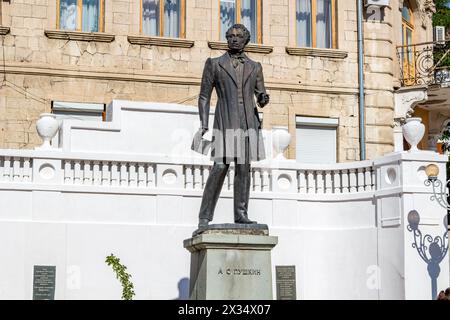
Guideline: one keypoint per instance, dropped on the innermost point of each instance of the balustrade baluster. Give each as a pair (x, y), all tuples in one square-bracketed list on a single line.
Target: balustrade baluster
[(310, 182), (132, 175), (17, 169), (142, 178), (114, 174), (77, 172), (374, 181), (26, 170), (353, 180), (265, 181), (106, 174), (301, 181), (368, 179), (68, 172), (97, 175), (151, 180), (188, 177), (361, 182), (337, 185), (123, 174), (320, 182), (197, 178), (256, 180), (87, 173), (7, 169), (345, 181), (328, 182)]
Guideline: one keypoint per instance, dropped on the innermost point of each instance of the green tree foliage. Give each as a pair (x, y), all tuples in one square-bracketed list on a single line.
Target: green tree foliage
[(442, 18), (442, 15), (123, 276)]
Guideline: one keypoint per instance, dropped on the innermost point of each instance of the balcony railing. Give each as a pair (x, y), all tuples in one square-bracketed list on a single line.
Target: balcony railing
[(425, 64)]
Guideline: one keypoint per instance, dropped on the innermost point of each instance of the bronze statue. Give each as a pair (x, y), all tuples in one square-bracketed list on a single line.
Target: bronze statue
[(237, 127)]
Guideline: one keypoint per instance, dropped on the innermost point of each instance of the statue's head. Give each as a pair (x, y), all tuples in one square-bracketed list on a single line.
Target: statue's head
[(238, 37)]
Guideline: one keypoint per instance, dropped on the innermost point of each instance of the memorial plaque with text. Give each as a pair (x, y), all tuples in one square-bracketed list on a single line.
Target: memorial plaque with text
[(44, 282), (286, 286)]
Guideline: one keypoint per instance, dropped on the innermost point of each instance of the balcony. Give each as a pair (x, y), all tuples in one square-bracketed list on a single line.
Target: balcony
[(425, 64)]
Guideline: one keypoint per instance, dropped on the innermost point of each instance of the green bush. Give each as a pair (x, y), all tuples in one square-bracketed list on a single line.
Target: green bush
[(123, 276)]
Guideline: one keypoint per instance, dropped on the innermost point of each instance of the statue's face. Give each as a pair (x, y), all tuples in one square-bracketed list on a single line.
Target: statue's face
[(236, 40)]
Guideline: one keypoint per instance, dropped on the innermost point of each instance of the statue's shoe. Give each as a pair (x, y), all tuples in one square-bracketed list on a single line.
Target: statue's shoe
[(245, 220), (203, 223)]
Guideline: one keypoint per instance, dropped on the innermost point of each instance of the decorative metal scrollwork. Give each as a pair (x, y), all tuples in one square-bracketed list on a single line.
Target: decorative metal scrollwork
[(425, 64)]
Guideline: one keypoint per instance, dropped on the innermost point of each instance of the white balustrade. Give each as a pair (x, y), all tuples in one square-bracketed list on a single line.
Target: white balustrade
[(15, 169), (135, 173)]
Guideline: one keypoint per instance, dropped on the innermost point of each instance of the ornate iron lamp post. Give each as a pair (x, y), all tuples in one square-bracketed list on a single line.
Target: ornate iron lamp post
[(431, 250), (439, 194)]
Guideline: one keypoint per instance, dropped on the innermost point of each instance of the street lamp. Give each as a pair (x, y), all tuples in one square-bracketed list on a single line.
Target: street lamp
[(439, 194)]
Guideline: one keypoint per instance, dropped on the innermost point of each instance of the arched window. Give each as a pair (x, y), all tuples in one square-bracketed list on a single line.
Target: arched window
[(316, 23)]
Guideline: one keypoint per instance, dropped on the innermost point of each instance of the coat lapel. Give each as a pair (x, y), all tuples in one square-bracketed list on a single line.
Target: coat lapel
[(249, 66), (225, 63)]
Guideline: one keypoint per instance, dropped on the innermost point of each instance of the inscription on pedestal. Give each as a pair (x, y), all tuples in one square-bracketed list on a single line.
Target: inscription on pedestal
[(286, 286), (44, 282), (239, 272)]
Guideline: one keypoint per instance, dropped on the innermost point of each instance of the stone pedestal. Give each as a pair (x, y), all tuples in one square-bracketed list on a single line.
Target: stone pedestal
[(231, 262)]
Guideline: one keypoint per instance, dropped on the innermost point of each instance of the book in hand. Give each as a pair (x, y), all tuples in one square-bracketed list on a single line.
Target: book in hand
[(199, 144)]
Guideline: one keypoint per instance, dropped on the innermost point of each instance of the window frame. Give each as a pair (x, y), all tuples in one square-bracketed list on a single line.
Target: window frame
[(101, 18), (259, 19), (408, 50), (408, 24), (161, 19), (314, 25), (318, 122)]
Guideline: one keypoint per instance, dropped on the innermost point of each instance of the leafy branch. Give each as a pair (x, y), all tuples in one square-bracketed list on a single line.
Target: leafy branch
[(122, 275)]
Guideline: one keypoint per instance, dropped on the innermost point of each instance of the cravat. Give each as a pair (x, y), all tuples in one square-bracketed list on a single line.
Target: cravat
[(236, 59)]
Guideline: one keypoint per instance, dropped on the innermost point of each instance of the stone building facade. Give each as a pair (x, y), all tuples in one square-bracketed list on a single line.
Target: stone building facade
[(42, 63)]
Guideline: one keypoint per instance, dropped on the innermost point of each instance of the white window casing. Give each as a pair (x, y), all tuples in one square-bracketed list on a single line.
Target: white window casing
[(316, 140)]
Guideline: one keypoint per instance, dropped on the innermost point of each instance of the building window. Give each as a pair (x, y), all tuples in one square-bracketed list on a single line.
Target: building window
[(316, 140), (164, 18), (246, 12), (81, 15), (315, 23), (407, 41)]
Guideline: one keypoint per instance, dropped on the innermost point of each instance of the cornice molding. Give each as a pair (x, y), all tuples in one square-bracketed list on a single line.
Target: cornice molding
[(160, 41), (316, 52), (79, 35), (4, 30), (251, 47), (176, 79)]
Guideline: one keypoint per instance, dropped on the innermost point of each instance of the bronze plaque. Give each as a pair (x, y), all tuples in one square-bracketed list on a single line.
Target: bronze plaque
[(286, 285), (44, 279)]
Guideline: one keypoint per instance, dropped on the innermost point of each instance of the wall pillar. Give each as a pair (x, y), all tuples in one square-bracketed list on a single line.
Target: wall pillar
[(401, 191)]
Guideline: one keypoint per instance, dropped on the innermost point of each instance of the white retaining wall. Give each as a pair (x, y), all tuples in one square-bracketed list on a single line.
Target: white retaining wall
[(119, 188)]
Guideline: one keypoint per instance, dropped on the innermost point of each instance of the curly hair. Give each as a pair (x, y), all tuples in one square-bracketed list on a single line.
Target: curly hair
[(239, 26)]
